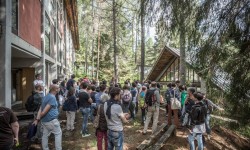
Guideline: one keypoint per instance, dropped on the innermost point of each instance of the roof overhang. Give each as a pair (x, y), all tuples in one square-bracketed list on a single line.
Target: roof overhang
[(72, 13)]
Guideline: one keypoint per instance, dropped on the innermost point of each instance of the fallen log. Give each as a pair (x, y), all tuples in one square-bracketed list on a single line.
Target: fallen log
[(160, 143), (149, 140)]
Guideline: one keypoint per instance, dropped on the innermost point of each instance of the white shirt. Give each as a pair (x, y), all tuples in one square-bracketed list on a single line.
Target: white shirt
[(38, 82)]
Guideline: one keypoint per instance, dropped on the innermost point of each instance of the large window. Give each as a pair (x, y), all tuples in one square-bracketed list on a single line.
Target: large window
[(47, 35), (14, 16)]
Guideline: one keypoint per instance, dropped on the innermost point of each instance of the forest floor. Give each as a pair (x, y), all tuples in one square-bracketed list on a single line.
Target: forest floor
[(221, 138)]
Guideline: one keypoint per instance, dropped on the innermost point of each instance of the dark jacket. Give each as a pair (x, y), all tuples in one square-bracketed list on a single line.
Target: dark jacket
[(72, 103)]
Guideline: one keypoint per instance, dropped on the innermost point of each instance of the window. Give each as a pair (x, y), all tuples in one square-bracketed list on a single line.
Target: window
[(14, 16), (47, 35)]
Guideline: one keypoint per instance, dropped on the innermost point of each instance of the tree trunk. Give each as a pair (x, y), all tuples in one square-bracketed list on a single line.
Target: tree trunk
[(93, 41), (182, 53), (86, 54), (98, 53), (142, 40), (115, 48)]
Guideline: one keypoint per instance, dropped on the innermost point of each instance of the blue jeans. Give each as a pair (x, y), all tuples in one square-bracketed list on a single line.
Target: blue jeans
[(85, 114), (207, 124), (115, 140), (191, 138)]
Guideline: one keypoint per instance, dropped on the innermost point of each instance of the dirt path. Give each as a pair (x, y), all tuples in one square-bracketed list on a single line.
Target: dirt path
[(132, 137)]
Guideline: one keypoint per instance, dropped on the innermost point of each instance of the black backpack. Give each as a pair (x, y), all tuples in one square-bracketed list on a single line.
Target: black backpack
[(198, 113), (150, 97), (30, 104), (168, 96)]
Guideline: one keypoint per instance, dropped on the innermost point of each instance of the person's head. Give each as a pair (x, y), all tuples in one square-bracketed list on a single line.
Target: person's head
[(54, 89), (125, 87), (144, 88), (158, 85), (149, 81), (39, 87), (117, 85), (184, 87), (133, 84), (177, 82), (104, 82), (173, 85), (38, 76), (62, 84), (93, 88), (55, 81), (115, 93), (89, 88), (73, 76), (71, 91), (153, 84), (102, 87), (169, 85), (198, 96), (126, 82), (84, 85), (191, 92)]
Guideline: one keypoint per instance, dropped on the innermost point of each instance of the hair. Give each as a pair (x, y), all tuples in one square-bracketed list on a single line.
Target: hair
[(173, 84), (89, 87), (144, 88), (153, 84), (93, 88), (73, 76), (104, 82), (102, 87), (104, 97), (117, 85), (71, 91), (55, 81), (158, 85), (169, 85), (126, 82), (184, 87), (37, 75), (125, 87), (149, 81), (199, 96), (177, 81), (53, 87), (84, 85), (114, 91), (133, 84), (192, 90), (37, 86)]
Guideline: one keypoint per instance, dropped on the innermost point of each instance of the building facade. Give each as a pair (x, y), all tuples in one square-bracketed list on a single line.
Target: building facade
[(36, 36)]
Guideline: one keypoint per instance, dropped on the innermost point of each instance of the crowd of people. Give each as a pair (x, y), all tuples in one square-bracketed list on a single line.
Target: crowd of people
[(108, 107)]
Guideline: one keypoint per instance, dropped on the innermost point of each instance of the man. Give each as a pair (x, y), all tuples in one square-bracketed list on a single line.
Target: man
[(9, 129), (152, 100), (198, 115), (85, 107), (38, 96), (38, 80), (134, 94), (115, 117), (48, 113), (99, 94)]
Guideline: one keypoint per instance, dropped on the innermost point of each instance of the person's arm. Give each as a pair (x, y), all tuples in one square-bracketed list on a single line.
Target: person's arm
[(38, 117), (124, 117), (15, 129)]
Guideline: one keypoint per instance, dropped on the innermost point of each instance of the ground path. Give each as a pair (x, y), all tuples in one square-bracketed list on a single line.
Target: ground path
[(132, 137)]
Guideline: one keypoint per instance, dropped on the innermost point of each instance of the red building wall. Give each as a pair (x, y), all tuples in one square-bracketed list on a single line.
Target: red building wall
[(30, 22)]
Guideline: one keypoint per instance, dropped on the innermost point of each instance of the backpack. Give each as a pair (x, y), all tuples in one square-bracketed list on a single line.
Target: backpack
[(141, 99), (30, 105), (126, 97), (198, 114), (133, 92), (150, 97), (168, 96)]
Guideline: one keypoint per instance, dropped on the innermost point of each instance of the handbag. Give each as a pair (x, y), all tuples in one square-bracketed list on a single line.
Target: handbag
[(175, 103), (97, 118)]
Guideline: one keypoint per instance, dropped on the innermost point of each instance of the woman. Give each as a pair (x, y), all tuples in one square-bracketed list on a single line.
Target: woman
[(142, 104), (71, 98)]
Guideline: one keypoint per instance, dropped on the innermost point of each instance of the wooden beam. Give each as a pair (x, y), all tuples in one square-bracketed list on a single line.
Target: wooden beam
[(164, 138), (164, 70), (149, 140)]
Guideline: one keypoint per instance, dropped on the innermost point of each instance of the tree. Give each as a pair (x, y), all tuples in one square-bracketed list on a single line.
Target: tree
[(142, 39)]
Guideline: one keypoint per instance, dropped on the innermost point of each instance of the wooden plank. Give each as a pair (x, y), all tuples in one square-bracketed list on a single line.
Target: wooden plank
[(163, 139), (149, 140)]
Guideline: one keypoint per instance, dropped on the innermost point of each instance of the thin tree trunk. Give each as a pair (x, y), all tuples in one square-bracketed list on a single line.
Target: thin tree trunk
[(86, 54), (93, 41), (182, 54), (115, 48), (98, 51), (142, 40)]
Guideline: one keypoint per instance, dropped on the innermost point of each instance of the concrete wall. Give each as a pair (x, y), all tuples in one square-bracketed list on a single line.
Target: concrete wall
[(30, 22)]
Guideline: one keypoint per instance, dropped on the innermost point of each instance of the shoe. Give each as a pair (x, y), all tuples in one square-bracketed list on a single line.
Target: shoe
[(86, 135), (208, 137)]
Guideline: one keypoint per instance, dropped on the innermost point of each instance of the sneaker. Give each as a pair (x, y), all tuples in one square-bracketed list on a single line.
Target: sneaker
[(208, 137), (86, 135)]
